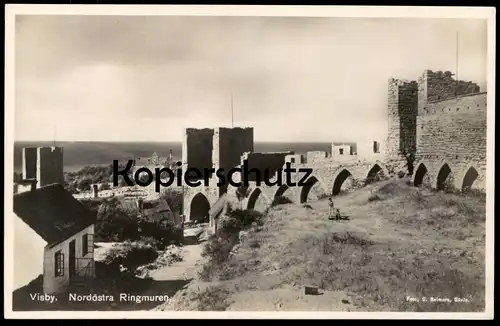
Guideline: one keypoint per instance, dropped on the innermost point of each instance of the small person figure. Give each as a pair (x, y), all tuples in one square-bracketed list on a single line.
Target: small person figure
[(331, 207)]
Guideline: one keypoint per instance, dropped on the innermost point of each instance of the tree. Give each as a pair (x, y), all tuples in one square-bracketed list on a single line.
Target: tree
[(174, 199), (84, 184), (114, 223)]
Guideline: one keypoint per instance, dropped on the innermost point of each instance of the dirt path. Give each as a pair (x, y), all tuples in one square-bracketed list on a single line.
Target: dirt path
[(170, 279), (183, 270)]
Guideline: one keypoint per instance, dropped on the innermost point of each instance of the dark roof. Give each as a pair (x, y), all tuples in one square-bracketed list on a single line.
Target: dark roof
[(151, 208), (53, 213)]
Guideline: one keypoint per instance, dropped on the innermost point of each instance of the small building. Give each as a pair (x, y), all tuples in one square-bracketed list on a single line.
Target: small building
[(53, 237), (152, 209)]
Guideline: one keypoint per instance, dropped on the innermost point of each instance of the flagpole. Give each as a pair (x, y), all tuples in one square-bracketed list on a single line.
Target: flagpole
[(232, 111), (456, 69), (54, 140)]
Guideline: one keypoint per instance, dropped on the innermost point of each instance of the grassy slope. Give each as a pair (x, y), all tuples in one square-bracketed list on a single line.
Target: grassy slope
[(400, 241)]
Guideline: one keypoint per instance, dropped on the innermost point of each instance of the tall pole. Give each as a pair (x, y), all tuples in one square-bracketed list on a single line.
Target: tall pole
[(456, 71), (232, 111), (456, 68), (54, 139)]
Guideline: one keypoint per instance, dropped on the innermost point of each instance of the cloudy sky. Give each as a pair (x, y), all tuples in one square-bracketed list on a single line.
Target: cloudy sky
[(126, 78)]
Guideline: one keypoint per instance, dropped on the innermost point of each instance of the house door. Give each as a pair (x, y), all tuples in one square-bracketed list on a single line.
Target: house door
[(72, 258)]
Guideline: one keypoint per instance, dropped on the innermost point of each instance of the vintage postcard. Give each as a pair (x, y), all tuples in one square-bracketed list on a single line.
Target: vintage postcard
[(249, 162)]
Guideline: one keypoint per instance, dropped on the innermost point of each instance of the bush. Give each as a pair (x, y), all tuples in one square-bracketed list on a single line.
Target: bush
[(217, 249), (213, 299), (131, 255), (151, 241), (281, 200), (92, 174), (322, 196), (107, 269), (162, 232), (246, 217), (374, 197), (84, 184), (71, 188)]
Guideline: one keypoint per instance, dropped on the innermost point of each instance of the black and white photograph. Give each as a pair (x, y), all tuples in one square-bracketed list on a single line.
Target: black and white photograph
[(247, 161)]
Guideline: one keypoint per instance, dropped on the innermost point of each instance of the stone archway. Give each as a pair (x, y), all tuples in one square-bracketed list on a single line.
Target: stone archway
[(305, 191), (255, 199), (199, 208), (283, 191), (470, 178), (443, 177), (340, 180), (420, 175), (375, 174)]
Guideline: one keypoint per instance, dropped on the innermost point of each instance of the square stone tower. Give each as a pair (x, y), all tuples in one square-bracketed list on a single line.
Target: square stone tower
[(402, 108), (229, 145), (218, 148), (45, 164)]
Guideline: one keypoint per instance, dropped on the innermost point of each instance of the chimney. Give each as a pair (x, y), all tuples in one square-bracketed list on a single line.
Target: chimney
[(95, 190)]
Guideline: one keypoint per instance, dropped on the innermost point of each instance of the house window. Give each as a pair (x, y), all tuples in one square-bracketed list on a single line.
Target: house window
[(87, 244), (59, 263), (292, 160), (376, 147), (341, 151)]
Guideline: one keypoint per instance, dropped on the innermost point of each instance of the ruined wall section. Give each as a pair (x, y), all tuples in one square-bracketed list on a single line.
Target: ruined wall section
[(402, 109), (50, 166), (265, 161), (454, 130), (440, 86), (197, 148)]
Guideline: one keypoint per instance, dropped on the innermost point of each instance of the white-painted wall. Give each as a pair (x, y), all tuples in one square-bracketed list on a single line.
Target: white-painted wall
[(28, 253), (365, 151), (52, 283)]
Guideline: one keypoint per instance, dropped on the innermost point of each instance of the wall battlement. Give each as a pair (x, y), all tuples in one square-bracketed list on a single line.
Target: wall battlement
[(469, 103), (435, 93), (439, 86)]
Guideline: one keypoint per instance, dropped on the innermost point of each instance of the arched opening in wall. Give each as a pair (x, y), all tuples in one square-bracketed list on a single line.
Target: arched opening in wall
[(375, 174), (419, 175), (200, 207), (469, 179), (340, 183), (443, 178), (282, 196), (256, 200), (305, 193)]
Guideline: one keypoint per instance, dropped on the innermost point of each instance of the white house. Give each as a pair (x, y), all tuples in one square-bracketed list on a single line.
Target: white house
[(53, 237)]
